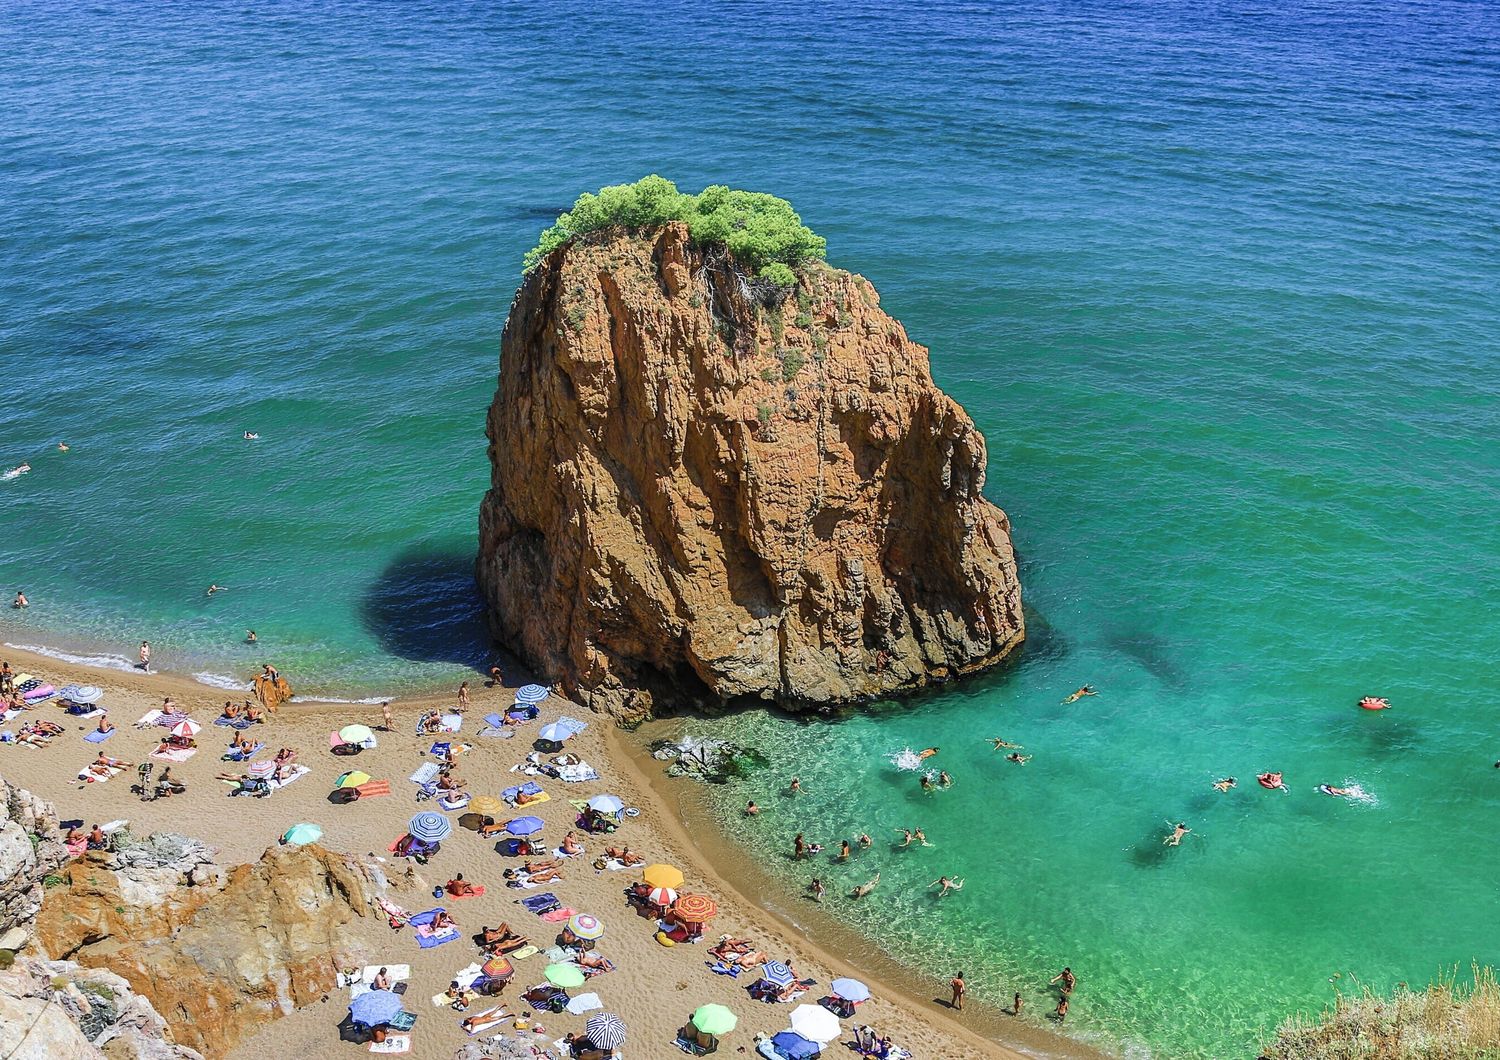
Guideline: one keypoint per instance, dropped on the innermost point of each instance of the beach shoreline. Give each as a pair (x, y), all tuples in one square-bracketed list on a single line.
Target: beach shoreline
[(665, 825)]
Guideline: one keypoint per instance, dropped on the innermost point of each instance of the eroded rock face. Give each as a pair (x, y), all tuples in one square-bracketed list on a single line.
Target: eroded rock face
[(30, 848), (218, 954), (700, 495)]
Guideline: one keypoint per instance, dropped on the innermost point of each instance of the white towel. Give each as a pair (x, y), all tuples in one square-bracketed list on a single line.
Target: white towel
[(425, 774)]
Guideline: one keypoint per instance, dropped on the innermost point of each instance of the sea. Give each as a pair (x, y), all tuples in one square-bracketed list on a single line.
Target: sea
[(1220, 282)]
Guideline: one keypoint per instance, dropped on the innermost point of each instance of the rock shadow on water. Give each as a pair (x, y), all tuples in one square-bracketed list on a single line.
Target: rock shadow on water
[(1152, 651), (425, 607)]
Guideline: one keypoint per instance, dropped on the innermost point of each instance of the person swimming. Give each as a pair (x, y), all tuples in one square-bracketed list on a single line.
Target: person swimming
[(1002, 745), (1340, 793), (251, 436), (21, 600), (926, 781), (215, 588), (955, 884), (1175, 839), (1225, 784), (250, 637), (1018, 758), (944, 780), (1086, 690), (864, 889), (925, 755)]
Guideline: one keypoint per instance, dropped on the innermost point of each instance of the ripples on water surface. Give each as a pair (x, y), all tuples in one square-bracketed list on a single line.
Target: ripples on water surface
[(1218, 284)]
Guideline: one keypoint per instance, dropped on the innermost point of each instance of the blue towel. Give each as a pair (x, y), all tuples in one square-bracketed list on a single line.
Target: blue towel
[(426, 916), (99, 737), (441, 748), (428, 942), (531, 787), (573, 725), (244, 754), (494, 719), (240, 724), (540, 903)]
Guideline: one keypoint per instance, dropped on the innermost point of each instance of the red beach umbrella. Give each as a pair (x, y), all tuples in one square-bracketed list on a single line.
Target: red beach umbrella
[(695, 908)]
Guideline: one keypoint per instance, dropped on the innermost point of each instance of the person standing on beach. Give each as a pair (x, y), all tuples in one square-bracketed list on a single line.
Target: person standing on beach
[(21, 600), (7, 679), (385, 716), (463, 698), (146, 656), (959, 989), (1015, 1006), (817, 889)]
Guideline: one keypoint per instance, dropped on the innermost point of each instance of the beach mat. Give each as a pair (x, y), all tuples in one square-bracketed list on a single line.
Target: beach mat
[(298, 772), (243, 754), (426, 774), (176, 755), (233, 723), (374, 789), (88, 775), (394, 1043), (99, 737), (427, 942)]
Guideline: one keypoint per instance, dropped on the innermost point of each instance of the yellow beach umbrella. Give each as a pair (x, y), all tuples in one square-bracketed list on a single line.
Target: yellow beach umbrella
[(353, 779), (487, 805), (662, 876)]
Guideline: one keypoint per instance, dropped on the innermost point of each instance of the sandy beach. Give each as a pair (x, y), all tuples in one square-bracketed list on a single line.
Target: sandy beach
[(653, 987)]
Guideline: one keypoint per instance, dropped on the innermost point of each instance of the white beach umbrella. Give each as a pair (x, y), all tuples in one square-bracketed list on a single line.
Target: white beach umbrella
[(816, 1024)]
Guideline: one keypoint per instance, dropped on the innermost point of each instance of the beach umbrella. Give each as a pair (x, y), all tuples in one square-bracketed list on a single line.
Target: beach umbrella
[(524, 826), (662, 876), (564, 975), (260, 770), (556, 733), (353, 779), (792, 1044), (695, 909), (531, 693), (486, 804), (606, 1030), (498, 968), (302, 833), (584, 926), (714, 1019), (850, 990), (374, 1008), (186, 727), (429, 826), (356, 733), (89, 694), (815, 1023), (664, 897), (606, 803), (176, 717), (776, 973)]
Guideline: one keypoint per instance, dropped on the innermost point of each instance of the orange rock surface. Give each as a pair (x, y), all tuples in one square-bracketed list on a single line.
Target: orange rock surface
[(708, 491)]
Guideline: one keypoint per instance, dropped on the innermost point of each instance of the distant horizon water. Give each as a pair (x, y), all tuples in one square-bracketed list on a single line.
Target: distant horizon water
[(1218, 284)]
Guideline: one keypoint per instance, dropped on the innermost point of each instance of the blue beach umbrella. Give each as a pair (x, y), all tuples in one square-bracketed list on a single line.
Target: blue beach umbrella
[(375, 1007), (429, 826), (556, 732), (302, 833), (606, 803), (522, 826), (531, 693), (850, 990), (776, 973)]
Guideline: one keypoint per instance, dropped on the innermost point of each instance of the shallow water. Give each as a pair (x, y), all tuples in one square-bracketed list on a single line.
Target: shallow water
[(1218, 285)]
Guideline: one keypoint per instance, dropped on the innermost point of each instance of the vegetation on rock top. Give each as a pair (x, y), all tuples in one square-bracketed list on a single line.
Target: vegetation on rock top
[(763, 232)]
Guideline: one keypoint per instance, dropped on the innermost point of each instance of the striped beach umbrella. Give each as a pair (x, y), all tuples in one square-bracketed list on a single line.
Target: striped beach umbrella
[(260, 770), (87, 694), (605, 1031), (531, 693), (850, 990), (776, 973), (664, 897), (429, 826), (186, 727), (564, 975), (166, 721), (584, 926), (524, 826), (606, 803), (695, 909), (497, 968)]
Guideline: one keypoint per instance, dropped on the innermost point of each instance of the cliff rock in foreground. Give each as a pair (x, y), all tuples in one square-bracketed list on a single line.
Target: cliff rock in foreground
[(706, 489)]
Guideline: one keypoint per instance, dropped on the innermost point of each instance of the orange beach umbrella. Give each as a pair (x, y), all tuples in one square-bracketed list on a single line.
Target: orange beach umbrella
[(695, 908)]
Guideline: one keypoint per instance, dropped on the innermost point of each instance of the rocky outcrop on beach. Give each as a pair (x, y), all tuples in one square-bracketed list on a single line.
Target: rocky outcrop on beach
[(709, 490), (49, 1009), (217, 952)]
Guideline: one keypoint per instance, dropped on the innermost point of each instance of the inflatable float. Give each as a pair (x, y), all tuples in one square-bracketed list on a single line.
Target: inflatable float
[(1374, 703)]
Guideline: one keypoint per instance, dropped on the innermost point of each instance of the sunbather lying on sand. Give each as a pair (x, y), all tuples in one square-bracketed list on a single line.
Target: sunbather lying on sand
[(502, 939), (624, 856), (521, 877), (111, 763), (483, 1020)]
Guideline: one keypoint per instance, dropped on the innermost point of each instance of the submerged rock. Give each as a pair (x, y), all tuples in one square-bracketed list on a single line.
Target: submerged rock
[(708, 490)]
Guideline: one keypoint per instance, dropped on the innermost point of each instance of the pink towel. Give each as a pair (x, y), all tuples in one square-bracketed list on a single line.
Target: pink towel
[(557, 916)]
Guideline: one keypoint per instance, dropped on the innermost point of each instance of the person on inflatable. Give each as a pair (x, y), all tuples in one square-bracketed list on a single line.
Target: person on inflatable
[(1272, 781)]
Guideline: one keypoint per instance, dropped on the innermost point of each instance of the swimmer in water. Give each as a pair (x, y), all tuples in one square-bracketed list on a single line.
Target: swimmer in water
[(865, 841), (19, 469), (920, 838), (925, 755), (751, 809), (62, 447), (1340, 793), (1175, 839), (865, 888), (1018, 758), (217, 589), (1225, 784), (21, 600), (955, 884), (795, 786), (1086, 690), (905, 836), (944, 780), (250, 637), (926, 781), (1002, 745), (251, 436)]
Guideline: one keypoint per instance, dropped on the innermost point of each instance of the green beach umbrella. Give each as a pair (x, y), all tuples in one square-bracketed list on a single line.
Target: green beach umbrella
[(302, 833), (714, 1019), (355, 733), (564, 975)]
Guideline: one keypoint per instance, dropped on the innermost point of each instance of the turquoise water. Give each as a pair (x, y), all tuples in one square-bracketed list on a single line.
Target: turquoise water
[(1218, 284)]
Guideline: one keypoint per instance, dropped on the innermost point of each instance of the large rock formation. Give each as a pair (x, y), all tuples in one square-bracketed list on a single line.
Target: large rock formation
[(218, 953), (707, 490)]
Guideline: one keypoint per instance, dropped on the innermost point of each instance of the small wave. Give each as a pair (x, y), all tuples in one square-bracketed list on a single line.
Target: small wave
[(371, 701), (233, 684), (101, 662), (906, 759)]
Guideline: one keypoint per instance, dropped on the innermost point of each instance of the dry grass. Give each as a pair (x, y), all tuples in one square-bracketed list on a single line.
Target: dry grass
[(1450, 1020)]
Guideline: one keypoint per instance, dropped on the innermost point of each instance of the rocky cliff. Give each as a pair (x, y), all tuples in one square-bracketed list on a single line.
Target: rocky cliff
[(706, 489)]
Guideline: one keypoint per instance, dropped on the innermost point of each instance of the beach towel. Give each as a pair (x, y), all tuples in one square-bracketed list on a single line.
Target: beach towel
[(426, 916), (394, 1043), (99, 737), (234, 723), (148, 719), (478, 892), (393, 912), (77, 847), (99, 774), (297, 773), (557, 916), (427, 939), (426, 774), (584, 1003), (590, 972), (486, 1022), (97, 712), (575, 774), (243, 754), (572, 725), (374, 789), (558, 852), (540, 903), (441, 748), (173, 754), (452, 722), (522, 953), (494, 720), (531, 787), (501, 732), (455, 800)]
